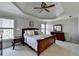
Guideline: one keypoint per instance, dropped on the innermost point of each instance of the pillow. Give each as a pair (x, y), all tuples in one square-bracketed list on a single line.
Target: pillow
[(30, 32), (25, 32), (39, 32), (36, 32)]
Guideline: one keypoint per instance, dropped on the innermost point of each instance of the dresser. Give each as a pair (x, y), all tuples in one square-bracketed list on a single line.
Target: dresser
[(59, 35)]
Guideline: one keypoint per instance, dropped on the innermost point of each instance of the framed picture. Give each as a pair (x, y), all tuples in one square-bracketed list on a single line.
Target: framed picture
[(31, 24)]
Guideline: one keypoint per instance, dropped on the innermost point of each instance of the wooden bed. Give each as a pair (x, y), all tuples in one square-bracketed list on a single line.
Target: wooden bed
[(42, 44)]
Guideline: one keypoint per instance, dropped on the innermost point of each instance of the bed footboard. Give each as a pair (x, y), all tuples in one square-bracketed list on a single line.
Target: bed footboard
[(44, 44)]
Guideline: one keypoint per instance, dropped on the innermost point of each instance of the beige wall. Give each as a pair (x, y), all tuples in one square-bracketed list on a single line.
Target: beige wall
[(24, 23), (70, 27)]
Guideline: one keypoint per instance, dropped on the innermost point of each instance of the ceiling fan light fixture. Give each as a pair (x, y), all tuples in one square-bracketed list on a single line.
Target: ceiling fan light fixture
[(44, 6)]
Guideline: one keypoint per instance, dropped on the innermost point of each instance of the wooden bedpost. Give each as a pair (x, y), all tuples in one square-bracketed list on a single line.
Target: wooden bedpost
[(22, 37), (38, 54)]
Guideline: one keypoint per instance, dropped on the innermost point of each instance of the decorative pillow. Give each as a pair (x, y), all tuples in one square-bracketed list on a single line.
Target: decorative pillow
[(39, 32), (25, 34), (30, 32), (36, 32)]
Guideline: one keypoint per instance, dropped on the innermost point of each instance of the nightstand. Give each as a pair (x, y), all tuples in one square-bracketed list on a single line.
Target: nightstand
[(16, 40)]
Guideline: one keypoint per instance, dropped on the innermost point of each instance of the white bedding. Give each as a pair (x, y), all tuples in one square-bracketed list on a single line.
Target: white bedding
[(32, 40)]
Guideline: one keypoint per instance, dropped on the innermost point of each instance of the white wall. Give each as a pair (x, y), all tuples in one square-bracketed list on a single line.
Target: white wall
[(70, 27), (24, 23), (78, 26)]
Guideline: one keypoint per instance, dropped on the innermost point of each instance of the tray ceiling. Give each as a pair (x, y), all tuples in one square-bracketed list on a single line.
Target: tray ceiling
[(28, 8), (60, 11)]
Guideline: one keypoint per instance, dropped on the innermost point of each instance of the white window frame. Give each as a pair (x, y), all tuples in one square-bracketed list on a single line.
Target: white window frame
[(2, 28), (49, 28)]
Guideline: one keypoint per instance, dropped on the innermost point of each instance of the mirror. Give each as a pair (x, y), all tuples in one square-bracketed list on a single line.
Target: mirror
[(57, 28)]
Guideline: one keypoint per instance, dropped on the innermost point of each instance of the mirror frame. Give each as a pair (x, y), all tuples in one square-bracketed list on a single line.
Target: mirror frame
[(55, 27)]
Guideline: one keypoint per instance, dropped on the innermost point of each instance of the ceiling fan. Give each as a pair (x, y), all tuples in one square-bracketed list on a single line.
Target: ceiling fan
[(44, 6)]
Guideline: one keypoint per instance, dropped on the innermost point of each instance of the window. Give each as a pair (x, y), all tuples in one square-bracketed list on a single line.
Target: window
[(46, 28), (7, 26), (8, 33), (43, 28)]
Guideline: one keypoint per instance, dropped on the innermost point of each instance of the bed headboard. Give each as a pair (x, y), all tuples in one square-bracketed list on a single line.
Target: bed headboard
[(23, 30)]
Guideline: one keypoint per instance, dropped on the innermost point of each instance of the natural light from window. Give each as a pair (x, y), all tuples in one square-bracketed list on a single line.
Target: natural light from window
[(46, 28), (7, 26)]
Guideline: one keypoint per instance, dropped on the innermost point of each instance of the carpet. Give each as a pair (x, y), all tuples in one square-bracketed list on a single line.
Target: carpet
[(53, 50)]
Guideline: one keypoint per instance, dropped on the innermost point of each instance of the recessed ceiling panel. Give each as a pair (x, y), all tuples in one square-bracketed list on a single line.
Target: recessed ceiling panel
[(28, 8)]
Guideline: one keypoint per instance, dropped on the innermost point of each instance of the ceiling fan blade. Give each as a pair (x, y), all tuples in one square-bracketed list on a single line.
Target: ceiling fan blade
[(50, 6), (46, 10), (37, 8)]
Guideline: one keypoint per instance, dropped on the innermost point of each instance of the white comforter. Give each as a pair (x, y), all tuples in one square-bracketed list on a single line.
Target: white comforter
[(32, 40)]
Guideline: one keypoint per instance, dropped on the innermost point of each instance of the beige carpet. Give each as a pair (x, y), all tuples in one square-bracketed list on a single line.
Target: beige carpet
[(53, 50), (56, 50)]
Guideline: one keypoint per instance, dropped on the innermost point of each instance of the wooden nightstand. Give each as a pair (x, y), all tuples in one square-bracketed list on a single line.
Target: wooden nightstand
[(16, 40)]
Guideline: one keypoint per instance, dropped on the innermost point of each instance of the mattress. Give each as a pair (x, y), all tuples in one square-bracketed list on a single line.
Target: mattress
[(32, 40)]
